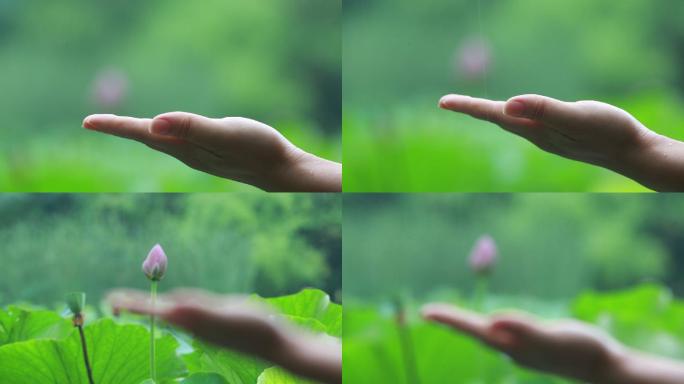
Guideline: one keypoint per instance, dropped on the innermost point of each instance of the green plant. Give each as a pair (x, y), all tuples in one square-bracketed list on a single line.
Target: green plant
[(154, 267), (76, 303), (645, 317), (38, 346)]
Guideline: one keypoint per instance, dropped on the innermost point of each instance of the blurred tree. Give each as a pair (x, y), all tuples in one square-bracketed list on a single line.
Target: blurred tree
[(276, 61), (271, 244), (551, 245)]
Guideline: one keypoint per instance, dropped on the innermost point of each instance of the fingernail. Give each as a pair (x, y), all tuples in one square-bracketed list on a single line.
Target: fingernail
[(515, 108), (161, 127), (87, 124), (90, 122), (442, 102)]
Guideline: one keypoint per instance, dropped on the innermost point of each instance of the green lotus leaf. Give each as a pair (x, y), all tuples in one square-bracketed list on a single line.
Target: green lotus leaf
[(275, 375), (204, 378), (234, 367), (119, 354), (311, 304), (20, 324)]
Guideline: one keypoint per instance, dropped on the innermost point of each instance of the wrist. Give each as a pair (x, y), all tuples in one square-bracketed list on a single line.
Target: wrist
[(616, 368), (304, 172), (656, 162), (310, 356), (634, 367)]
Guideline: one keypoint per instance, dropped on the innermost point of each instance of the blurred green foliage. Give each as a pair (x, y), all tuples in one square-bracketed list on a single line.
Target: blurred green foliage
[(35, 344), (242, 242), (401, 56), (645, 317), (277, 61), (550, 245)]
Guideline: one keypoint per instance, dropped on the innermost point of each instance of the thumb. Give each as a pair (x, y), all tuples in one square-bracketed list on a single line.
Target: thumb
[(194, 128), (511, 331), (543, 109)]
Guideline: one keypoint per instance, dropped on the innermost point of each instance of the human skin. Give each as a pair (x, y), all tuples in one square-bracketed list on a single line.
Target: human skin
[(586, 131), (240, 324), (234, 148), (567, 348)]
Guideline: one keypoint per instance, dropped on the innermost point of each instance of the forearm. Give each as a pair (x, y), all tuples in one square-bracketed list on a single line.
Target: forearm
[(658, 165), (634, 367)]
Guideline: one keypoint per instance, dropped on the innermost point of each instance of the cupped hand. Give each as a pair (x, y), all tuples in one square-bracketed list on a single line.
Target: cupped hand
[(234, 148), (567, 348), (587, 131), (241, 324)]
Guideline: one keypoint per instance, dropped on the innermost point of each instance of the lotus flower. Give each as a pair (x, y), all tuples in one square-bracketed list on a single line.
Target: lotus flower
[(483, 256), (473, 58), (154, 265), (154, 268), (109, 88)]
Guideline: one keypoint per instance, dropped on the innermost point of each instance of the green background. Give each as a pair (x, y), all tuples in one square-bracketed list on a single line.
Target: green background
[(277, 61), (610, 260), (236, 243)]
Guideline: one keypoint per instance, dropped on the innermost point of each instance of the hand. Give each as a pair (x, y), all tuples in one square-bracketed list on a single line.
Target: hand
[(587, 131), (567, 348), (234, 148), (240, 324)]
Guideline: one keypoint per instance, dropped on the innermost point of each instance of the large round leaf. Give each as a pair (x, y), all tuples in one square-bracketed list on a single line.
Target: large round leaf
[(119, 354)]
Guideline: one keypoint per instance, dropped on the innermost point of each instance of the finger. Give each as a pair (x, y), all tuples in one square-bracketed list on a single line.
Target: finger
[(461, 320), (201, 297), (121, 126), (543, 109), (483, 109), (137, 302), (201, 318), (196, 129)]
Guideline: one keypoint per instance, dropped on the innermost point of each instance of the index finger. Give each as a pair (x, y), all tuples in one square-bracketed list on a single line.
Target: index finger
[(459, 319), (121, 126), (137, 302), (487, 110)]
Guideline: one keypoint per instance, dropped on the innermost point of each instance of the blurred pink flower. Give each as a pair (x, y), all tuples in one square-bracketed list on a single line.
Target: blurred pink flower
[(473, 58), (483, 256), (155, 264), (109, 88)]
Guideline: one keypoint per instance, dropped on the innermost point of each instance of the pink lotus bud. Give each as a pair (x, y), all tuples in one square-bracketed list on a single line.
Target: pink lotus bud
[(154, 266), (109, 88), (473, 58), (483, 255)]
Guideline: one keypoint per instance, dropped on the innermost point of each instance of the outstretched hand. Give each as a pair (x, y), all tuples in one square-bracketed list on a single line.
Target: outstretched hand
[(567, 348), (587, 131), (240, 324), (234, 148)]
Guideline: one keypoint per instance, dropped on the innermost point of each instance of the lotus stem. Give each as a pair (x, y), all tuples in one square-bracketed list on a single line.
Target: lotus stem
[(406, 343), (78, 321), (153, 367)]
